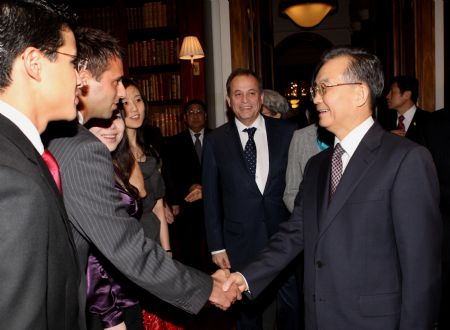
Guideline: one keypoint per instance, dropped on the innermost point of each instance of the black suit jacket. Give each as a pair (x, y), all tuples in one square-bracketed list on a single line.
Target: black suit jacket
[(186, 168), (373, 255), (238, 217), (414, 131), (39, 273)]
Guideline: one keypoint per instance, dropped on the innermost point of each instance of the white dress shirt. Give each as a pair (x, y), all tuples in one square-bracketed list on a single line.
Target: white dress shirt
[(352, 140), (262, 149), (202, 134), (409, 115), (24, 124)]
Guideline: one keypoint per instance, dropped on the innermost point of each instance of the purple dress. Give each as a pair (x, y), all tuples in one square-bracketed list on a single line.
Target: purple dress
[(105, 296)]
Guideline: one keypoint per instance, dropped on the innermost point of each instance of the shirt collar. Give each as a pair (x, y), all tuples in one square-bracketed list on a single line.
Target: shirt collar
[(409, 114), (352, 140), (259, 124), (193, 133), (24, 124)]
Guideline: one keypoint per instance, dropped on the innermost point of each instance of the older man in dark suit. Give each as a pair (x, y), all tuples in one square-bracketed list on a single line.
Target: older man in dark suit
[(244, 166), (39, 272), (367, 214)]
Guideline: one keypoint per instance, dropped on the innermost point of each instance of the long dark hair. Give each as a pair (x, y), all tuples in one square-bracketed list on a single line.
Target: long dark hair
[(142, 138), (122, 157)]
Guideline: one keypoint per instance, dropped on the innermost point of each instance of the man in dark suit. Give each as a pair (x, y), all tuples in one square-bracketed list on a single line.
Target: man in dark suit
[(436, 137), (404, 118), (367, 214), (244, 164), (189, 237), (39, 272), (96, 212)]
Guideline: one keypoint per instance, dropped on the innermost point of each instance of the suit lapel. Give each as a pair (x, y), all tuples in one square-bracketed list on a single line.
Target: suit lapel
[(361, 161), (238, 152), (273, 151)]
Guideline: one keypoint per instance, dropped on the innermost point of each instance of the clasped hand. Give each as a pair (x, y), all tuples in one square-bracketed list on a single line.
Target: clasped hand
[(227, 288)]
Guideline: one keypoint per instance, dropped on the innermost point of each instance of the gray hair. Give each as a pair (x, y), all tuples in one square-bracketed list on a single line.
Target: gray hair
[(275, 102)]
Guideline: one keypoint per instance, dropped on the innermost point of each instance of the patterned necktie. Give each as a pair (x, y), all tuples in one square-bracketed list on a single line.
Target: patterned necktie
[(336, 169), (250, 150), (198, 146), (401, 125), (53, 167)]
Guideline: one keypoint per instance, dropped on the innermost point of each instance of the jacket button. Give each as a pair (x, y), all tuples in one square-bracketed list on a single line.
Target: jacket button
[(319, 264)]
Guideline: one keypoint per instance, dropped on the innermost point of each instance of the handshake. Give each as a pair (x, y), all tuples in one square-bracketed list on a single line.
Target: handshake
[(227, 288)]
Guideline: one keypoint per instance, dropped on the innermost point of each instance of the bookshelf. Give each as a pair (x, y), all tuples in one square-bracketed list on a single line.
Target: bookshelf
[(151, 32)]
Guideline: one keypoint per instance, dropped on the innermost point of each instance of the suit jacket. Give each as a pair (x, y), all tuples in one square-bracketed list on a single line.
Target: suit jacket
[(186, 169), (303, 146), (414, 131), (99, 219), (39, 271), (238, 217), (372, 256)]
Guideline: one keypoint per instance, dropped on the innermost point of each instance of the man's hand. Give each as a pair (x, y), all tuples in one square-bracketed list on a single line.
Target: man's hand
[(175, 210), (220, 298), (221, 260), (399, 132), (235, 279), (195, 193)]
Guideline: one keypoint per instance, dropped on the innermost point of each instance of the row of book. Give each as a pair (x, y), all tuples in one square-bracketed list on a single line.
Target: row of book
[(169, 119), (100, 18), (153, 52), (152, 15), (161, 86)]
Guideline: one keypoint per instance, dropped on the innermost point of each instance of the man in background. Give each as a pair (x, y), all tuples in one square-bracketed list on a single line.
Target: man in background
[(404, 118), (244, 165), (39, 272), (189, 237)]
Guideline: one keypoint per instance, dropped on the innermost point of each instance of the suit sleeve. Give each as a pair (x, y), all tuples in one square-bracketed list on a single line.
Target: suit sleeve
[(281, 249), (418, 232), (96, 211), (24, 220), (212, 198), (294, 172)]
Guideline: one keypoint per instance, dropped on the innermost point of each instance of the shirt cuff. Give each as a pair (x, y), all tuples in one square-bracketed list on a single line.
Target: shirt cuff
[(218, 251)]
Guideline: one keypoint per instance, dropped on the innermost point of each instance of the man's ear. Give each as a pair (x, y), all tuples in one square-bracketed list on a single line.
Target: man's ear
[(228, 101), (407, 95), (33, 62), (362, 95), (85, 75)]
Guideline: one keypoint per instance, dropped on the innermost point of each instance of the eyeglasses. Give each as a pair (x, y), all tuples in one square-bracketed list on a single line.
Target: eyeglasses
[(81, 63), (194, 112), (321, 88)]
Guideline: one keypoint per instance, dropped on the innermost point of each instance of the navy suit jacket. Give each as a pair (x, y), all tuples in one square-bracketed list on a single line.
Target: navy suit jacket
[(238, 217), (373, 255)]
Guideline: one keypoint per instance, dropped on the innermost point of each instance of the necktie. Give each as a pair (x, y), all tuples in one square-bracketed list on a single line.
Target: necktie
[(53, 167), (400, 123), (198, 146), (336, 168), (250, 150)]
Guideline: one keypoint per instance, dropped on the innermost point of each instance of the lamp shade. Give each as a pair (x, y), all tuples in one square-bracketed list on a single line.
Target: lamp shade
[(191, 49), (307, 13)]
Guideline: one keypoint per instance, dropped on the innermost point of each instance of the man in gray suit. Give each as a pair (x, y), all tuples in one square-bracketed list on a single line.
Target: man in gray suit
[(366, 216), (39, 272), (94, 206)]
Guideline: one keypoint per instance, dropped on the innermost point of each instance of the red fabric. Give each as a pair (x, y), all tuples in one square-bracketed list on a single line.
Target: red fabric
[(53, 167), (153, 322)]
